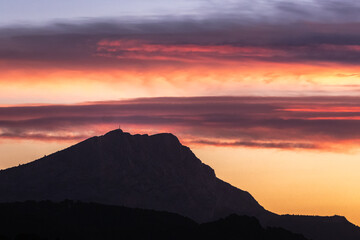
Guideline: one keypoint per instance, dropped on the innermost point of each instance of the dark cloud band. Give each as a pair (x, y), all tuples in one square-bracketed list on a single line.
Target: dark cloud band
[(268, 122), (177, 42)]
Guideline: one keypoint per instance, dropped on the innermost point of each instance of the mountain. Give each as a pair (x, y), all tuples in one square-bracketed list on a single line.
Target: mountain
[(141, 171), (150, 172), (76, 220)]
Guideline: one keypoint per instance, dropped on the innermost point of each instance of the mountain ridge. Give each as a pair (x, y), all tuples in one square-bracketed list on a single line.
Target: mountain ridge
[(95, 161), (77, 220), (151, 172)]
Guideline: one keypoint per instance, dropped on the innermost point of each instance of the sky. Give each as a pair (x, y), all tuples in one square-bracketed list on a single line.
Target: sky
[(265, 92)]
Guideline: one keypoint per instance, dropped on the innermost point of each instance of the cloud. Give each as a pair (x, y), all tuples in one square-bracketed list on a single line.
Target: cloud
[(177, 42), (264, 122), (276, 11), (176, 57), (280, 145)]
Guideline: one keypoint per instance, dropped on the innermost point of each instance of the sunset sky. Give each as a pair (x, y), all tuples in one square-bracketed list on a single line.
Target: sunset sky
[(265, 92)]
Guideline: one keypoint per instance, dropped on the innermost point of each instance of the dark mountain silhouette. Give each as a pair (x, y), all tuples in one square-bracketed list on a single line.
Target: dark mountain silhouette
[(153, 172), (75, 220), (150, 172)]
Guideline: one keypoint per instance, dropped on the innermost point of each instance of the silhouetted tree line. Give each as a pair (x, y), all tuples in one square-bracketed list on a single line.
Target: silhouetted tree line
[(75, 220)]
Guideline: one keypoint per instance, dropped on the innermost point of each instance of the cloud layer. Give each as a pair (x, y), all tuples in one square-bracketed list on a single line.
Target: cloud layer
[(327, 123), (244, 10), (178, 56), (180, 41)]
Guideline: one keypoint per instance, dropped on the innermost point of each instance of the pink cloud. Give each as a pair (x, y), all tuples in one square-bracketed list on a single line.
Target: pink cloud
[(265, 122)]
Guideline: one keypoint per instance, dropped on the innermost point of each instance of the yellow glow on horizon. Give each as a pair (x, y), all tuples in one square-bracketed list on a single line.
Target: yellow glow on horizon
[(30, 150), (292, 182)]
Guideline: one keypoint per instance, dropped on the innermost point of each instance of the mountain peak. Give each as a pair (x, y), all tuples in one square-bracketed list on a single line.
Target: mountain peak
[(166, 139), (150, 172), (119, 132), (114, 132), (143, 171)]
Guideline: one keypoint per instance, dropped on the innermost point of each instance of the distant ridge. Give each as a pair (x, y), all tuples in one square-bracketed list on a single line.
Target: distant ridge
[(76, 220), (151, 172)]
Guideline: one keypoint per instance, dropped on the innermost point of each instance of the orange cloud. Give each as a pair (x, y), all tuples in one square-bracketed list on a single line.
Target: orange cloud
[(115, 61), (136, 49)]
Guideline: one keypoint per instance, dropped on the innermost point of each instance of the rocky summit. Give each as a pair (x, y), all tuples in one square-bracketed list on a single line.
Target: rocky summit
[(150, 172)]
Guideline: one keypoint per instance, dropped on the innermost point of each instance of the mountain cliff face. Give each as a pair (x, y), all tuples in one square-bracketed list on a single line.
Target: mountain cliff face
[(151, 172)]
